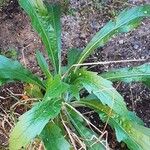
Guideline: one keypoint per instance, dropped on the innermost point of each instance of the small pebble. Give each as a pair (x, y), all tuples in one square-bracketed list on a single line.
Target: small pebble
[(121, 41), (136, 46)]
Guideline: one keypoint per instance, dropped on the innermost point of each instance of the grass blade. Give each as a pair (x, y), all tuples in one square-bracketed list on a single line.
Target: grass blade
[(89, 137)]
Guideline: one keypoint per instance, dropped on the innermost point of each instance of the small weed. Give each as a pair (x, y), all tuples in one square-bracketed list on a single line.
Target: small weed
[(54, 117)]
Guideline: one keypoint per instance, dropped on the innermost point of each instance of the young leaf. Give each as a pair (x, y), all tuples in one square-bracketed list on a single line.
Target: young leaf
[(56, 87), (74, 91), (53, 138), (132, 74), (43, 64), (125, 22), (73, 56), (12, 70), (103, 89), (136, 136), (90, 138), (46, 21), (33, 121)]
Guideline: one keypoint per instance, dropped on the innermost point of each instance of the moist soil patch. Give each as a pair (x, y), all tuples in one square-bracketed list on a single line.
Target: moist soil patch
[(81, 20)]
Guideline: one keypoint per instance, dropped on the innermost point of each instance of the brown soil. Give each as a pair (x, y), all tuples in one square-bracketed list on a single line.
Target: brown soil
[(81, 21)]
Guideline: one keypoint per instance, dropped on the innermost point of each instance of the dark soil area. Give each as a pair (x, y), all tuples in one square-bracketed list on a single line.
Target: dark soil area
[(81, 20)]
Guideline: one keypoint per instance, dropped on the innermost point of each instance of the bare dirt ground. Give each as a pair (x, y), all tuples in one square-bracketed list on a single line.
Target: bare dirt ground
[(80, 21)]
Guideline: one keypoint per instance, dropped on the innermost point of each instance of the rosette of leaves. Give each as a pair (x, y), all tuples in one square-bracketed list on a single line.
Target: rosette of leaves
[(55, 119)]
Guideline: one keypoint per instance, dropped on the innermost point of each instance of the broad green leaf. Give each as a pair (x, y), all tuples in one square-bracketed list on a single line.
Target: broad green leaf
[(53, 138), (131, 115), (125, 22), (56, 87), (43, 64), (46, 21), (103, 89), (90, 138), (129, 130), (12, 70), (136, 136), (55, 13), (33, 121), (131, 74)]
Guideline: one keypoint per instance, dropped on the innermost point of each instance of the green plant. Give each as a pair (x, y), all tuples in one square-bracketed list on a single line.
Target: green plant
[(55, 119)]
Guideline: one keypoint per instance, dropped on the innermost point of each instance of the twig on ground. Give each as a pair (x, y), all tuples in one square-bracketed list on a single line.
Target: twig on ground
[(69, 133), (88, 122), (23, 55), (108, 62), (102, 63)]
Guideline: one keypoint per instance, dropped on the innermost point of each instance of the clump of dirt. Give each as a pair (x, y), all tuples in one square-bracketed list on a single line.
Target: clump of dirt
[(9, 10), (80, 23)]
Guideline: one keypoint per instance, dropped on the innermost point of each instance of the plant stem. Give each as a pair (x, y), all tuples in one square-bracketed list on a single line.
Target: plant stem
[(100, 63)]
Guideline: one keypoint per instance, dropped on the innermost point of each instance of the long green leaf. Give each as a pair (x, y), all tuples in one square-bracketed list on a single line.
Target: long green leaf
[(132, 74), (43, 64), (46, 21), (53, 138), (32, 122), (125, 22), (128, 128), (103, 89), (12, 70)]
